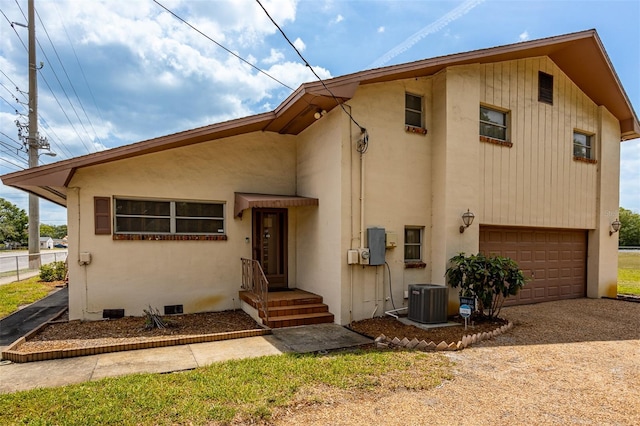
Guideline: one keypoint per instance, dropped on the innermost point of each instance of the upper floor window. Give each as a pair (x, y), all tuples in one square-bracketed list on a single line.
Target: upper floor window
[(413, 110), (168, 217), (493, 123), (545, 88), (412, 244), (582, 145)]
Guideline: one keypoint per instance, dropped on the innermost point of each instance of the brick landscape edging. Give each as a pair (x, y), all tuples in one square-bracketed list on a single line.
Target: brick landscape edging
[(383, 341), (12, 354)]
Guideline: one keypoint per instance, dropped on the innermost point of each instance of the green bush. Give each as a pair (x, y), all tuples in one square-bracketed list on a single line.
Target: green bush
[(488, 279), (55, 271)]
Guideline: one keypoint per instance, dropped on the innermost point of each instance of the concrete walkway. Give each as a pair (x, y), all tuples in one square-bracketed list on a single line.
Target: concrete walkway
[(302, 339)]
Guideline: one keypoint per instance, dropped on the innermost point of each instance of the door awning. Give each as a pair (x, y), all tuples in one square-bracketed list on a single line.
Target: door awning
[(245, 201)]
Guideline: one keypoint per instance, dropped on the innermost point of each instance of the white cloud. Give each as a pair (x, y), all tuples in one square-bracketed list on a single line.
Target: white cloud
[(274, 57), (299, 44), (380, 29), (524, 36), (338, 19)]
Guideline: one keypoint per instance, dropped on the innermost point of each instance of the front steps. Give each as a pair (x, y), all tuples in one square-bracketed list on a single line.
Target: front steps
[(290, 308)]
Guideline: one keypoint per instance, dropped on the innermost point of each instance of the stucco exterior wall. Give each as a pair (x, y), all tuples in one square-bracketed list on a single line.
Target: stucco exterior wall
[(319, 175), (455, 177), (397, 193), (536, 182), (197, 274), (602, 262)]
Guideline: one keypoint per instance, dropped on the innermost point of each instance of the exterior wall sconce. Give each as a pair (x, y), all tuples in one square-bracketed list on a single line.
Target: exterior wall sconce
[(615, 227), (467, 219)]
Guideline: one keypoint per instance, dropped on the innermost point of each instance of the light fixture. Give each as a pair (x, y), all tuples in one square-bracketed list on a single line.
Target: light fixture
[(467, 219), (615, 227), (319, 114)]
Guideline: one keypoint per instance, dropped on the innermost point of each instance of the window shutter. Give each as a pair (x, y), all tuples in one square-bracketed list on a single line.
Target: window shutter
[(102, 215), (545, 88)]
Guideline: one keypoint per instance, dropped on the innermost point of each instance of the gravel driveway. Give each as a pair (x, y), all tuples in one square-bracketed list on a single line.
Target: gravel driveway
[(567, 362)]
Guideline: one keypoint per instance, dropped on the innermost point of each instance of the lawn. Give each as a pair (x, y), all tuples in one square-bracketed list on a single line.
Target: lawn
[(629, 273), (245, 391), (21, 293)]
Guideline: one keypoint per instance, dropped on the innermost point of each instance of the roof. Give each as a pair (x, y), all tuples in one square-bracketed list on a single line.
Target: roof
[(569, 52)]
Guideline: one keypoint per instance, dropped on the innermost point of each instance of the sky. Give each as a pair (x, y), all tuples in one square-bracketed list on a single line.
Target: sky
[(116, 72)]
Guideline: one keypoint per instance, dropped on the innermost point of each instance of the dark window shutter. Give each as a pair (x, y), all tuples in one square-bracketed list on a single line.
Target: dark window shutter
[(102, 213), (545, 88)]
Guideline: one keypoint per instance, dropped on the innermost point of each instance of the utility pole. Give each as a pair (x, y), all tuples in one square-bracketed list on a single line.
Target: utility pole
[(33, 141)]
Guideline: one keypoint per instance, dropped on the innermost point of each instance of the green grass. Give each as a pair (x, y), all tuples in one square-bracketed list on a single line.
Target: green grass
[(629, 273), (21, 293), (245, 390)]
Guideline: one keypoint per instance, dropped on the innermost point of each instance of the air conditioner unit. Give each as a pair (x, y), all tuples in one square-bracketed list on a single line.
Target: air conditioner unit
[(428, 303)]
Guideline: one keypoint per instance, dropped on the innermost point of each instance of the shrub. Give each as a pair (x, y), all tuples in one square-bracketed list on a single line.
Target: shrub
[(488, 279), (55, 271)]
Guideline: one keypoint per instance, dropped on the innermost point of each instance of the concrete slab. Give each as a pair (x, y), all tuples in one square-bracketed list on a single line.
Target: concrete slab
[(317, 337), (407, 321), (250, 347), (45, 374), (156, 360)]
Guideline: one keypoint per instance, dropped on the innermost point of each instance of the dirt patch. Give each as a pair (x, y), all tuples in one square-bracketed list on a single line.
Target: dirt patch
[(392, 327), (81, 334)]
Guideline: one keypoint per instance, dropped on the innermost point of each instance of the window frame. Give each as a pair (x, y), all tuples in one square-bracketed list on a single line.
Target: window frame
[(419, 244), (173, 217), (590, 140), (507, 126), (420, 112)]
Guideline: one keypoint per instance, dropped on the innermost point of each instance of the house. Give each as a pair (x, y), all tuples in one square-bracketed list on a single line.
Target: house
[(46, 242), (356, 190)]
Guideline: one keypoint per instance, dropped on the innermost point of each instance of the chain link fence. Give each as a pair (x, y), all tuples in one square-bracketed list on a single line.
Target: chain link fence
[(22, 266)]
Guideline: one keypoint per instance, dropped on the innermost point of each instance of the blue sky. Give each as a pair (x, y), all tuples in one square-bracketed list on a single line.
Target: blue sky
[(118, 72)]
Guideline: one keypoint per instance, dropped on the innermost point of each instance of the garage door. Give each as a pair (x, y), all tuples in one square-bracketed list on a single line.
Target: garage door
[(554, 260)]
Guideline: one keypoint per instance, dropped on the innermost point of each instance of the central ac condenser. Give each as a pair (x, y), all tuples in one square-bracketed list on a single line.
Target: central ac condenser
[(428, 303)]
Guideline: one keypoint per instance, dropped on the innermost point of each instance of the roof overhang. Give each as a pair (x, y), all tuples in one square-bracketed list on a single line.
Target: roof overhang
[(570, 52), (245, 201)]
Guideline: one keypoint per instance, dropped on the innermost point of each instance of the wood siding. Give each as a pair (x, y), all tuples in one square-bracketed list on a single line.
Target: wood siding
[(536, 182)]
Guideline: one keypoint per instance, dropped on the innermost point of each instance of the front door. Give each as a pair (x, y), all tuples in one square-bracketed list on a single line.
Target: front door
[(270, 245)]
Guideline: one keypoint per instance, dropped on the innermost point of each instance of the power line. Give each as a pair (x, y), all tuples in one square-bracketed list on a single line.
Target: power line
[(362, 129), (69, 80), (222, 47)]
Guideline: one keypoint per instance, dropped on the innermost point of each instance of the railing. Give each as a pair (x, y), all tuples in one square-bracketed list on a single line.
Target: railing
[(22, 266), (254, 280)]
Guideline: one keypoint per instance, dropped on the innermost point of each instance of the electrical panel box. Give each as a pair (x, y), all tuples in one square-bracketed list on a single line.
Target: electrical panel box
[(377, 245), (85, 258), (391, 239)]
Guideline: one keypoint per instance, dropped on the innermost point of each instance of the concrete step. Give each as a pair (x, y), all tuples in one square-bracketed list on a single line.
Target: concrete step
[(301, 319)]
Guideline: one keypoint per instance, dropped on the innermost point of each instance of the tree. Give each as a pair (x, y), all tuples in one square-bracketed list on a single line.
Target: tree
[(13, 223), (53, 231), (630, 228)]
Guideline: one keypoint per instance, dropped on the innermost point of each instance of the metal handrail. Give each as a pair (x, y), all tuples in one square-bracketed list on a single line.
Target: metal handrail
[(254, 280)]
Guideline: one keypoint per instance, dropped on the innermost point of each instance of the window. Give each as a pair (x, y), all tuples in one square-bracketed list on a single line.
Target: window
[(413, 110), (545, 88), (582, 145), (493, 123), (412, 244), (168, 217)]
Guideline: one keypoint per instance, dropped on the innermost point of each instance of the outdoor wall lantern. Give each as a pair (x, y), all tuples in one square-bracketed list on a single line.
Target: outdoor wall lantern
[(615, 227), (467, 219)]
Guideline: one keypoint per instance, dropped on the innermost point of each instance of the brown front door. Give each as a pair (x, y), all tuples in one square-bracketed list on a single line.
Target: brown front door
[(270, 245)]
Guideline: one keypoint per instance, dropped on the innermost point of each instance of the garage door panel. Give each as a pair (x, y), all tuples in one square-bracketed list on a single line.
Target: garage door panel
[(558, 258)]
